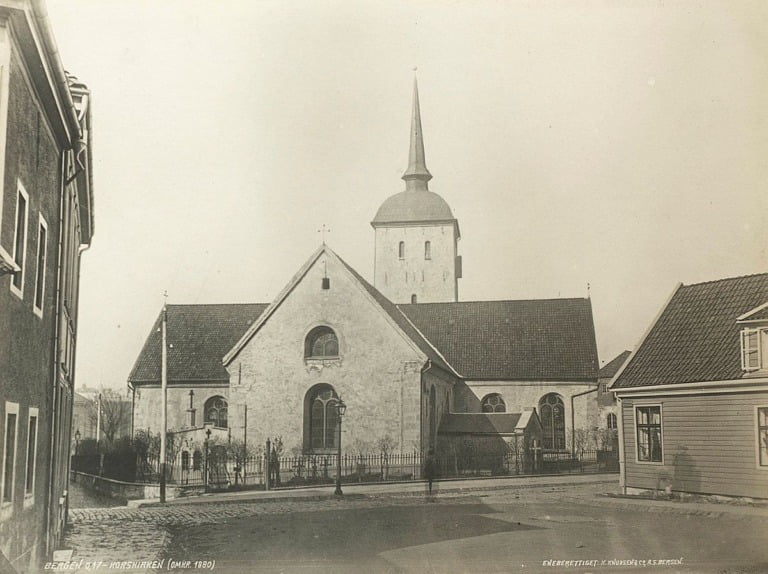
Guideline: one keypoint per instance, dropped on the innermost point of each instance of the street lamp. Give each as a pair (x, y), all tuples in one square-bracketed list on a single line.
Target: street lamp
[(341, 409)]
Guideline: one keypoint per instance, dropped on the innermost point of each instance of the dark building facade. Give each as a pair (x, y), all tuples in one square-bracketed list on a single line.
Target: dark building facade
[(46, 220)]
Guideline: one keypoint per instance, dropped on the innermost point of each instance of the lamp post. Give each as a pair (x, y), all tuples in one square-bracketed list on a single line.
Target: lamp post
[(77, 441), (341, 409)]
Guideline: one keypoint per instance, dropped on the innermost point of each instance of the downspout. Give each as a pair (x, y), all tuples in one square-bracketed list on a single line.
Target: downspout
[(573, 418), (55, 353)]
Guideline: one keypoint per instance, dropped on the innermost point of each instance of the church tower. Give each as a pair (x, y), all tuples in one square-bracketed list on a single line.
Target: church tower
[(416, 258)]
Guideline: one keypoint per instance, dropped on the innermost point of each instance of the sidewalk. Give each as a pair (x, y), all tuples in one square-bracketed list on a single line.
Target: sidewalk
[(449, 486), (608, 498)]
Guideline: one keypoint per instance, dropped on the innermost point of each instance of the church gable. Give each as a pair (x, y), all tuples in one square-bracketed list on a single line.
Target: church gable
[(322, 291), (326, 336)]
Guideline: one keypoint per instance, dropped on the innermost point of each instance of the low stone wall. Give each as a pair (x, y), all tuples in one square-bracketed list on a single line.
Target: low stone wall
[(125, 490)]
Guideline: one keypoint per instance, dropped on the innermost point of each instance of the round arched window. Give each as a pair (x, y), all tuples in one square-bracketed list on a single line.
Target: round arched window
[(493, 404), (321, 343), (552, 413), (216, 412), (323, 418)]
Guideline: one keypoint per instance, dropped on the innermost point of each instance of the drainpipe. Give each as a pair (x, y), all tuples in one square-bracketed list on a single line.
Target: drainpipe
[(55, 364), (573, 418)]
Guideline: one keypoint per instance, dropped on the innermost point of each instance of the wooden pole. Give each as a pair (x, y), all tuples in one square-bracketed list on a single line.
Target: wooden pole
[(164, 400)]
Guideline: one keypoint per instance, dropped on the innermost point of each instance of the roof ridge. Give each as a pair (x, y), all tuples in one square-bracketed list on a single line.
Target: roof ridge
[(212, 304), (493, 301), (724, 279)]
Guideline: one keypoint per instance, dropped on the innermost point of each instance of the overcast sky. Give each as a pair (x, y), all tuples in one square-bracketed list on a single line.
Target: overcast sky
[(624, 145)]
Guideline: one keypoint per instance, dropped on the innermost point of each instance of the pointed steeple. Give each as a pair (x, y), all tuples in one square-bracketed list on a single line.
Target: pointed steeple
[(417, 175)]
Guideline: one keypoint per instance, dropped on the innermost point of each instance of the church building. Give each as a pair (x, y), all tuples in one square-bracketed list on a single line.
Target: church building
[(407, 358)]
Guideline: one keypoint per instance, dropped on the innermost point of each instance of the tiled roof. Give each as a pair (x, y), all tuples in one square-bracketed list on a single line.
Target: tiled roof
[(200, 335), (609, 370), (533, 340), (696, 337), (478, 423)]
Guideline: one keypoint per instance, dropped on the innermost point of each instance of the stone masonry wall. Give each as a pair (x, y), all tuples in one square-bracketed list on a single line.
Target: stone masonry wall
[(377, 372), (431, 280)]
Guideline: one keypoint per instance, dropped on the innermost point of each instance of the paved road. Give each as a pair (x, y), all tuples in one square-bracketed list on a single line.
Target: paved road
[(510, 530)]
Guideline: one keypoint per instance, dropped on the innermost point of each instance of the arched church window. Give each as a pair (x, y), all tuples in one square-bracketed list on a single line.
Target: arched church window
[(427, 250), (215, 411), (493, 403), (323, 418), (197, 460), (413, 298), (401, 250), (612, 423), (552, 413), (320, 343)]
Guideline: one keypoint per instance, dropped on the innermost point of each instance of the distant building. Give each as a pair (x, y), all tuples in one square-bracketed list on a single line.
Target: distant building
[(693, 397), (403, 352), (606, 401), (46, 220)]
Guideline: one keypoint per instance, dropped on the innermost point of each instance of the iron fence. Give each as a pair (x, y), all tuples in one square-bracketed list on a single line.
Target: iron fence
[(217, 471)]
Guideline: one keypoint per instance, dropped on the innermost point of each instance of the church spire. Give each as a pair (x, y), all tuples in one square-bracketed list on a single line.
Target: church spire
[(417, 175)]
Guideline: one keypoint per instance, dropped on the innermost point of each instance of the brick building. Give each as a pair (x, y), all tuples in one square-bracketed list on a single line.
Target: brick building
[(402, 352), (46, 220)]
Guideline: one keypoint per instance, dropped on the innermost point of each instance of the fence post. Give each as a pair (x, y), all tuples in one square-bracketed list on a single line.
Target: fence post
[(267, 465)]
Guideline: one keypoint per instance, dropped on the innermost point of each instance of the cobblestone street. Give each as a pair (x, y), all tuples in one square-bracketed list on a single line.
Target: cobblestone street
[(505, 530)]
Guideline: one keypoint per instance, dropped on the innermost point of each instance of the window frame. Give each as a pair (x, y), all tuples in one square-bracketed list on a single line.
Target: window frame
[(503, 404), (42, 248), (6, 505), (208, 404), (328, 405), (761, 334), (29, 489), (22, 272), (660, 406), (611, 421), (313, 335), (760, 465)]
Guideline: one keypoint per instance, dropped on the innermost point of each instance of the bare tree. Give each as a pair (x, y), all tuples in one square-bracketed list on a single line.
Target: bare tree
[(115, 414)]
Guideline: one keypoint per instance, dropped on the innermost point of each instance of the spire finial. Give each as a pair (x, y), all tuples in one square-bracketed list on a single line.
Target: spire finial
[(417, 175)]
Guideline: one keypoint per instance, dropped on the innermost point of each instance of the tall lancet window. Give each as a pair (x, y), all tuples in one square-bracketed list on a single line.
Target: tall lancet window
[(401, 250), (427, 250)]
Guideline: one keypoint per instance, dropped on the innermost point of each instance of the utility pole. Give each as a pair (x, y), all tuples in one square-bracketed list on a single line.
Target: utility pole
[(98, 421), (164, 396)]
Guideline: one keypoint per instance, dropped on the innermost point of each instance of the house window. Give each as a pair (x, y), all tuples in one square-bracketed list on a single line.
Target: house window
[(648, 422), (29, 487), (321, 343), (42, 254), (401, 250), (762, 436), (216, 412), (493, 404), (754, 348), (323, 418), (552, 411), (20, 240), (603, 388), (612, 423), (9, 452), (427, 250), (413, 298)]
